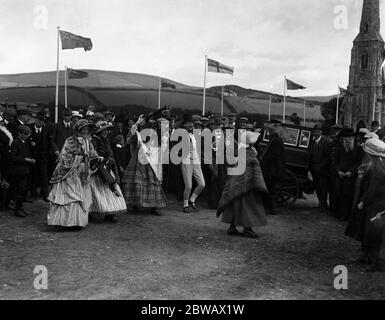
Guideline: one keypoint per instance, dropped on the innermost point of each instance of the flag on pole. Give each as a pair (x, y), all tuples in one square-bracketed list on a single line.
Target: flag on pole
[(72, 41), (293, 86), (166, 84), (76, 74), (217, 67)]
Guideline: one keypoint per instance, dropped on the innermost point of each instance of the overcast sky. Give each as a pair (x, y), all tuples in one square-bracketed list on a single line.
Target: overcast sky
[(262, 39)]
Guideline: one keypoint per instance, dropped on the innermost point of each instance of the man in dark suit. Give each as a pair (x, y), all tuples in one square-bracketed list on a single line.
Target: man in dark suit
[(273, 163), (347, 160), (319, 166), (40, 147), (22, 160), (63, 130)]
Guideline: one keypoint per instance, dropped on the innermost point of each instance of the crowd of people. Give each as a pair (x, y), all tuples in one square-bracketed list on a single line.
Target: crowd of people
[(348, 171), (92, 163)]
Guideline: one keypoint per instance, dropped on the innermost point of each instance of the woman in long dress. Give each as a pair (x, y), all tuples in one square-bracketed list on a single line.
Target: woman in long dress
[(71, 197), (142, 186), (241, 204), (369, 226), (107, 197)]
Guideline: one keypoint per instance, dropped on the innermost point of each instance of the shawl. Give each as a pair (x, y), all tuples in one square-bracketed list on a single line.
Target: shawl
[(250, 181), (74, 152)]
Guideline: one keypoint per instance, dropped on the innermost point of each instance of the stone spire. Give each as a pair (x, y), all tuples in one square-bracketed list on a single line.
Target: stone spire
[(370, 22)]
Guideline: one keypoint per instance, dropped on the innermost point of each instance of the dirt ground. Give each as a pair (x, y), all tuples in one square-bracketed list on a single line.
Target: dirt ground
[(182, 256)]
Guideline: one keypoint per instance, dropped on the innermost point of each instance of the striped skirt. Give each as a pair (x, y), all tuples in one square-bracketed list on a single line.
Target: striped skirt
[(70, 202), (105, 201)]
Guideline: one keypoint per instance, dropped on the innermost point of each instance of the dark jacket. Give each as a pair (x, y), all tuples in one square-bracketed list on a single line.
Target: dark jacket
[(122, 156), (40, 144), (273, 160), (347, 162), (19, 152), (60, 135), (320, 156)]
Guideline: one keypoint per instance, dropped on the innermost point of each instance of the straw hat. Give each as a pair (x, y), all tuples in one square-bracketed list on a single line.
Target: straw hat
[(80, 124), (372, 135), (102, 125)]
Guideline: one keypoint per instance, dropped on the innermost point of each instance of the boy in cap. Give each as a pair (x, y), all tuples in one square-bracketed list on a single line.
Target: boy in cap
[(22, 160)]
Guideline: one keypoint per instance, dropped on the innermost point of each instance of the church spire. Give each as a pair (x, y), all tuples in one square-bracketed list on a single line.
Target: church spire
[(370, 22)]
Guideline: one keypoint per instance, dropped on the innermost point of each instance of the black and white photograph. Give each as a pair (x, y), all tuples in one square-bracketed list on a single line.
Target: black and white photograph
[(192, 151)]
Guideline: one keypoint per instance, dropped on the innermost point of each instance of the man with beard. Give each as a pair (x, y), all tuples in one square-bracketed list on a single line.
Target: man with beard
[(348, 159)]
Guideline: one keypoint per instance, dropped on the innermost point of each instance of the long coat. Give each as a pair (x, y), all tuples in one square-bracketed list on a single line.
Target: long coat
[(273, 160), (42, 144), (374, 203), (19, 152), (347, 161), (320, 156)]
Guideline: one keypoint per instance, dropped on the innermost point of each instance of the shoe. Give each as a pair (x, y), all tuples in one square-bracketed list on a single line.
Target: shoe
[(250, 234), (156, 213), (186, 210), (193, 206), (233, 232), (111, 218), (27, 213)]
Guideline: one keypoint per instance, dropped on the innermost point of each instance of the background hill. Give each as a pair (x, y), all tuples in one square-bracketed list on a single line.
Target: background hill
[(125, 90)]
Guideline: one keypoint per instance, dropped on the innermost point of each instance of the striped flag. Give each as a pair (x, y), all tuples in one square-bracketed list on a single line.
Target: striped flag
[(217, 67), (293, 86), (76, 74), (72, 41)]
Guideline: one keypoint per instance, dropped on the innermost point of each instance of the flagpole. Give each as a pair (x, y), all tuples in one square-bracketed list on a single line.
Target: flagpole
[(222, 112), (284, 100), (269, 119), (159, 93), (204, 88), (338, 106), (65, 88), (304, 112), (57, 79)]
